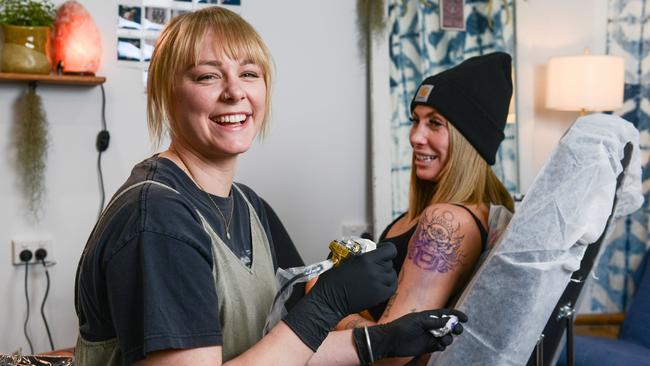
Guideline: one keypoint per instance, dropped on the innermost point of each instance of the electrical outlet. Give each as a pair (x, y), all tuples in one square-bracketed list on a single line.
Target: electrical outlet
[(19, 245), (355, 230)]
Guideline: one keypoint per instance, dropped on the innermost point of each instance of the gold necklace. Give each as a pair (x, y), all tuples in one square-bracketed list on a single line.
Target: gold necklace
[(226, 223)]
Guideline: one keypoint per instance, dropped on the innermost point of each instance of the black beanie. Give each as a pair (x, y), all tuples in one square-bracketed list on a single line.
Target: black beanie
[(474, 96)]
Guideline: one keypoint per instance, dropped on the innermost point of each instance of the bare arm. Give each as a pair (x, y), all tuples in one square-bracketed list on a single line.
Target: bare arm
[(337, 349), (442, 254), (271, 350)]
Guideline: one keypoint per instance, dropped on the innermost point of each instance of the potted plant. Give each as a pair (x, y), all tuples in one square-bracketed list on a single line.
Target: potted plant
[(26, 26)]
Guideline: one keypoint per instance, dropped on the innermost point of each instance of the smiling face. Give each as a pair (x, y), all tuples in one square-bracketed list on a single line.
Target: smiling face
[(429, 138), (219, 104)]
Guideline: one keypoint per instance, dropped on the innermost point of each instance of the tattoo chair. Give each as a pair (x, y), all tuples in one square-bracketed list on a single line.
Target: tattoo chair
[(514, 291), (560, 325)]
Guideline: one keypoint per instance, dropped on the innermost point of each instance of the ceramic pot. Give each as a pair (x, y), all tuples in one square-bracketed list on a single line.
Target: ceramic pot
[(26, 49)]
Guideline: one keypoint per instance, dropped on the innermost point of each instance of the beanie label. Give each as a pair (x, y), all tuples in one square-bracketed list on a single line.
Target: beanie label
[(423, 93)]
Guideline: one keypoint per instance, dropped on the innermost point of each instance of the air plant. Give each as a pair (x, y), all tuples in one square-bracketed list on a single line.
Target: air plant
[(370, 24), (31, 142)]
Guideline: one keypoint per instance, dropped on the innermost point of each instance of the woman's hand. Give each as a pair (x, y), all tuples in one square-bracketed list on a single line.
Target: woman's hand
[(406, 336), (358, 283)]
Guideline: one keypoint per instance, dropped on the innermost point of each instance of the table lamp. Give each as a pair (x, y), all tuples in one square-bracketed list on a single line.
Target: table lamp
[(585, 83)]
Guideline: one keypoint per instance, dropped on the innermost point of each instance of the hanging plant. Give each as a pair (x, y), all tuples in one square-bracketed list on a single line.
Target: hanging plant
[(371, 23), (31, 142)]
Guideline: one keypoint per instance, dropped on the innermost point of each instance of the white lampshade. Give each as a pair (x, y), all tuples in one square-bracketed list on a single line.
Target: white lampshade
[(587, 83)]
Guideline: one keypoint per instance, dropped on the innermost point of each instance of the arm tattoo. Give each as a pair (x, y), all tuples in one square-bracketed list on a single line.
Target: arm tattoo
[(390, 302), (436, 243)]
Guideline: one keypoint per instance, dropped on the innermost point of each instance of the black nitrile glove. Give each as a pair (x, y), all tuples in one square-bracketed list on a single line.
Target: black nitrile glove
[(358, 283), (406, 336)]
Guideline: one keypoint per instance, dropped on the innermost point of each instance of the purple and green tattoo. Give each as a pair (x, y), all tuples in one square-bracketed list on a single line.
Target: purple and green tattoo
[(436, 242)]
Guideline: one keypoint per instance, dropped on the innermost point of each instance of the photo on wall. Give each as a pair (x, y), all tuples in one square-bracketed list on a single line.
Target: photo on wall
[(129, 17), (155, 18), (141, 21), (452, 16), (128, 49), (177, 12), (148, 45)]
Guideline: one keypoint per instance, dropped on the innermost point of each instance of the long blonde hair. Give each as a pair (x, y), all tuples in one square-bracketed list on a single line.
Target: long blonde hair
[(178, 49), (465, 179)]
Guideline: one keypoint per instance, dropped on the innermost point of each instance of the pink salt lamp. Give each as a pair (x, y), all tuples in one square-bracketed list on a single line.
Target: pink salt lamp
[(77, 44)]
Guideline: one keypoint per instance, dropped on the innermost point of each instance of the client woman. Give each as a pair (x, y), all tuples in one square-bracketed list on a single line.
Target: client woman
[(458, 120)]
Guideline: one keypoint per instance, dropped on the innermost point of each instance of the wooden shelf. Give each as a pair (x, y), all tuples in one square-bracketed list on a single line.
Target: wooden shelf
[(52, 79)]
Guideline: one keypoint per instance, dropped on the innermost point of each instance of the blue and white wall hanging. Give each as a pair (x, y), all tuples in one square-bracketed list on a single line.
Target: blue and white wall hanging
[(627, 36), (418, 48)]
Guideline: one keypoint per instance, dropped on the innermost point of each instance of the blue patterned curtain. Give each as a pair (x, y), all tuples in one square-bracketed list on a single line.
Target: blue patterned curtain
[(628, 36), (419, 48)]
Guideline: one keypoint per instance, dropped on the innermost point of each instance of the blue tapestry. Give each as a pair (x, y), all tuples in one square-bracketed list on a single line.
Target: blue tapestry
[(419, 48), (628, 37)]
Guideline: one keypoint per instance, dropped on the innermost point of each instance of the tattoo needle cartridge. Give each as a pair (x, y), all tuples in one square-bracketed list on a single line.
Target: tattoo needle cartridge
[(452, 320)]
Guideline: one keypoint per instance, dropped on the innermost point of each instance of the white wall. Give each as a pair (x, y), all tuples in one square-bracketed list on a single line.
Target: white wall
[(546, 29), (311, 168)]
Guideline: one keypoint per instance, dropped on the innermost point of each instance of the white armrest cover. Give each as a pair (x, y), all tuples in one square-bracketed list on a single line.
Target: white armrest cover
[(511, 296)]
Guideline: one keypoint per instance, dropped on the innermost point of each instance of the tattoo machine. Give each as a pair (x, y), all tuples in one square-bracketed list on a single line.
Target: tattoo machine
[(344, 248), (452, 321), (340, 250)]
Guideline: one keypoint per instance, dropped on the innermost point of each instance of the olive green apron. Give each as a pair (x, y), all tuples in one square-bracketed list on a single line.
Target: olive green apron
[(245, 294)]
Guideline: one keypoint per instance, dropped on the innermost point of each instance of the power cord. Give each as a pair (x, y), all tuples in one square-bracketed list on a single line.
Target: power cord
[(25, 257), (101, 143), (40, 255)]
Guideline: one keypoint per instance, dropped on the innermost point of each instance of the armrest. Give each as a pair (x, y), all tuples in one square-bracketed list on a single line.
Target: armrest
[(600, 319), (599, 325)]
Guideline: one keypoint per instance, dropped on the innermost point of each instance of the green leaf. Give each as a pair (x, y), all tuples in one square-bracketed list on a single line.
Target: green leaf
[(32, 13)]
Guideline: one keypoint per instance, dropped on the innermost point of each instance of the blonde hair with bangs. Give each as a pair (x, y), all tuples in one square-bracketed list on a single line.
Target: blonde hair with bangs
[(178, 49), (465, 179)]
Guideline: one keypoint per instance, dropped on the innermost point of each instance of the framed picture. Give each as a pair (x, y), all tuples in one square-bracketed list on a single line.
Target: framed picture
[(154, 18), (177, 12), (129, 17), (148, 45), (452, 15), (128, 49)]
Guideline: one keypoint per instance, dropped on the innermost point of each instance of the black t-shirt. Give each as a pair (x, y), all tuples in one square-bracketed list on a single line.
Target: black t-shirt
[(401, 244), (146, 273)]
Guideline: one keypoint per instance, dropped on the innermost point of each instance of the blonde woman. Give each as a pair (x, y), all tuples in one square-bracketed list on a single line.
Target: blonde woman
[(180, 268), (458, 120)]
